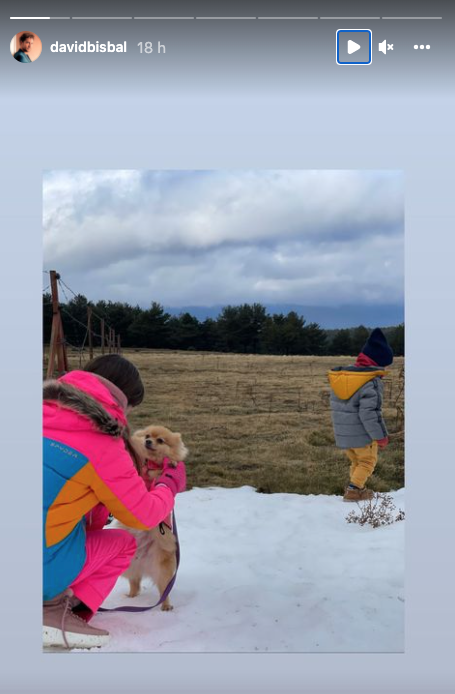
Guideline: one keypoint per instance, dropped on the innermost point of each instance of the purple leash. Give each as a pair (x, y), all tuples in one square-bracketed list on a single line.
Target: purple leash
[(167, 590)]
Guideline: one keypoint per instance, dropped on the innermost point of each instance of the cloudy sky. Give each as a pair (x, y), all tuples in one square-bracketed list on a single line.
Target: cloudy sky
[(314, 238)]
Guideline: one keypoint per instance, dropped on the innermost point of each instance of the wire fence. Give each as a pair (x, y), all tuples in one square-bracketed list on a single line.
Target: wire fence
[(77, 335)]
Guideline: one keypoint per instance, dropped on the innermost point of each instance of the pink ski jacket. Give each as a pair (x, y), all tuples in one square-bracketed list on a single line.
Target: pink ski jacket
[(83, 467)]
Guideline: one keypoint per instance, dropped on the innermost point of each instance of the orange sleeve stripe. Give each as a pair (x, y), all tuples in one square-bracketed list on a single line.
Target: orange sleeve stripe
[(76, 498), (111, 501)]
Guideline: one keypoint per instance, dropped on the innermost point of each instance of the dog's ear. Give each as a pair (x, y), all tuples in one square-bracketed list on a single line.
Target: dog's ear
[(182, 449)]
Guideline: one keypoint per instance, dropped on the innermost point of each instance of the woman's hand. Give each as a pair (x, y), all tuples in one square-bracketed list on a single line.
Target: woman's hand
[(173, 477)]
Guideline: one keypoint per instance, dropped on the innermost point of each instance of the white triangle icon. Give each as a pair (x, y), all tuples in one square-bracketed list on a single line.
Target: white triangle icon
[(353, 47)]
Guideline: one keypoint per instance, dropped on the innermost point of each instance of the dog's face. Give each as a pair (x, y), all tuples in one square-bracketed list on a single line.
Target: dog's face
[(155, 443)]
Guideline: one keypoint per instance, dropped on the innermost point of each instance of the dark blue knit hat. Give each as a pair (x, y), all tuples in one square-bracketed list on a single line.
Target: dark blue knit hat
[(378, 349)]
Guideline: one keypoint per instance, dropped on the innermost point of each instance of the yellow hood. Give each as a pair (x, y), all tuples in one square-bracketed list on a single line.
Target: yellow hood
[(345, 383)]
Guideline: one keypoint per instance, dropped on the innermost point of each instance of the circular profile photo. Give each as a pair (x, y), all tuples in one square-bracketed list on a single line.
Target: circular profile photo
[(26, 47)]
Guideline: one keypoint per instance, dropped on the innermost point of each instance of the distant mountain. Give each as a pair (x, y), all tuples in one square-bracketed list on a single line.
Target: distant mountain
[(328, 317)]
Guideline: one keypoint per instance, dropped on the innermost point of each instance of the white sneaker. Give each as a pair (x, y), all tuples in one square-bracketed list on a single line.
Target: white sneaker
[(61, 627)]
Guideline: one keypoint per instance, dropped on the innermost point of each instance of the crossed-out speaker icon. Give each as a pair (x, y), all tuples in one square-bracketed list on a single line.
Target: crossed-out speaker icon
[(384, 47)]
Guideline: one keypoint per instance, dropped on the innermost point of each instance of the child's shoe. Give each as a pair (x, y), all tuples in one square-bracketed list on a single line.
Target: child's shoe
[(62, 627), (355, 494)]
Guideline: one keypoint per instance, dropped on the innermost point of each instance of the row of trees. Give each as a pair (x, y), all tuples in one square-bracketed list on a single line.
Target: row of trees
[(247, 328)]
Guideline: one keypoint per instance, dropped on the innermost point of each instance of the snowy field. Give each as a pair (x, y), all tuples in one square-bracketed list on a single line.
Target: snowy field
[(271, 573)]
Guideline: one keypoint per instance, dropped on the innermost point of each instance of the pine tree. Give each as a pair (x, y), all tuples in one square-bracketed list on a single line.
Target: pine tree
[(150, 328), (396, 340), (341, 343), (317, 339), (358, 338)]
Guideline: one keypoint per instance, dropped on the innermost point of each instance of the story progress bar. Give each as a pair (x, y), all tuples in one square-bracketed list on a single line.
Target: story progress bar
[(227, 18)]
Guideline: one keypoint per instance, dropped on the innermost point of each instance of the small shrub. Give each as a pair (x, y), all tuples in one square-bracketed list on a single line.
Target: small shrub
[(264, 490), (376, 512)]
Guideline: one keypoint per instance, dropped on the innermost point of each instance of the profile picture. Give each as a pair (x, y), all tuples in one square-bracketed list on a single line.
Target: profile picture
[(26, 47)]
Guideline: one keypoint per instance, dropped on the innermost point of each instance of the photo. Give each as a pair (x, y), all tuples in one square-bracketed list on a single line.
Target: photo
[(26, 47), (223, 410)]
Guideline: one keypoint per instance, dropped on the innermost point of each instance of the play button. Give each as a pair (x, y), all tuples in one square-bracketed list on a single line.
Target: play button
[(353, 47)]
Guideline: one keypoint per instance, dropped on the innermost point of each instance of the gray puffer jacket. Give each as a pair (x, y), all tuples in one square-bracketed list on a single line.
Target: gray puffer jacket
[(356, 402)]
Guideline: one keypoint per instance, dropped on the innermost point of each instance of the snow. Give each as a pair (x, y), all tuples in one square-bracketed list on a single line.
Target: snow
[(271, 573)]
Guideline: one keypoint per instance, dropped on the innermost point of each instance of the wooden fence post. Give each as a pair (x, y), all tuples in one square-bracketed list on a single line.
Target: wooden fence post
[(89, 331), (57, 347), (102, 336)]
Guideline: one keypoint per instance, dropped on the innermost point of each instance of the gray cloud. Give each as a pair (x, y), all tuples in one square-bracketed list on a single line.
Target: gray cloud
[(209, 237)]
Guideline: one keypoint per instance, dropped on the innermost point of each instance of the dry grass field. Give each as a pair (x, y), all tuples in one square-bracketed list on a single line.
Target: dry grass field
[(259, 420)]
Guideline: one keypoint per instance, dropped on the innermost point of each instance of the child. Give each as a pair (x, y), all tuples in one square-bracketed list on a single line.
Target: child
[(356, 402), (87, 473)]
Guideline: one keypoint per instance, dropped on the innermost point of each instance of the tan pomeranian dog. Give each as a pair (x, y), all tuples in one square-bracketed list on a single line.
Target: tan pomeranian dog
[(155, 556)]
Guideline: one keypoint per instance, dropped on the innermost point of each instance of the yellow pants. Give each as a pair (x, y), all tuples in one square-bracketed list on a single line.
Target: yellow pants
[(363, 461)]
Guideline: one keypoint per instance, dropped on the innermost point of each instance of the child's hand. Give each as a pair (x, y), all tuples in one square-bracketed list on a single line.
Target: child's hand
[(382, 443)]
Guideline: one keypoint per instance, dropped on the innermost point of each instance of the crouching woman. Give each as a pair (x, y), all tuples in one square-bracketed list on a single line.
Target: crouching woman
[(88, 472)]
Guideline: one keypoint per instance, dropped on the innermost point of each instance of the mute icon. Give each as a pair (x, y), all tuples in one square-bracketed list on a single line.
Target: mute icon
[(384, 47)]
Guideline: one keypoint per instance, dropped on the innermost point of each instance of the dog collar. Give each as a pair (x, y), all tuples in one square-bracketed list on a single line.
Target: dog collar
[(151, 465)]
